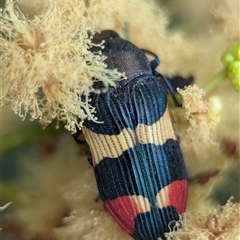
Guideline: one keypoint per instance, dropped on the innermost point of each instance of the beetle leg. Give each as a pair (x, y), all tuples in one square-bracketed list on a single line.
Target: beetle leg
[(178, 81), (89, 158), (76, 135), (154, 63), (169, 88), (178, 138), (98, 198)]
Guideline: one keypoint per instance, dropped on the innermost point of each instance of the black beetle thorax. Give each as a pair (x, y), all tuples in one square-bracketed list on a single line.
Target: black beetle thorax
[(125, 57)]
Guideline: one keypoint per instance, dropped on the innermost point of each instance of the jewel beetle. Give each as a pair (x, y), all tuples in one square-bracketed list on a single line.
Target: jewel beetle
[(136, 157)]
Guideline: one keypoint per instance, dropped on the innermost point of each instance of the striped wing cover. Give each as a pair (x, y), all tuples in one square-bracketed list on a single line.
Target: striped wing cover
[(137, 160)]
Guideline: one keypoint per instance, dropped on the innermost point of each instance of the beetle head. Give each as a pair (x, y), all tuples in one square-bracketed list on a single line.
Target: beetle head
[(122, 55)]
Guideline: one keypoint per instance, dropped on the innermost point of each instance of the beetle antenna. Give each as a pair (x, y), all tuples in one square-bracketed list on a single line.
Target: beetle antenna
[(155, 62)]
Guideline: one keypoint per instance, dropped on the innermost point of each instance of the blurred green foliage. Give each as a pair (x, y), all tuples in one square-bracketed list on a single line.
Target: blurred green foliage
[(2, 3), (28, 134)]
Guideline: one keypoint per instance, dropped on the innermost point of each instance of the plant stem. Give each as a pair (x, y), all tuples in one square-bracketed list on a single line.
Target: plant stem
[(213, 82)]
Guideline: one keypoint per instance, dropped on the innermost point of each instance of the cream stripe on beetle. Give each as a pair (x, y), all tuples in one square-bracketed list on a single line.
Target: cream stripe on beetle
[(113, 146), (158, 133)]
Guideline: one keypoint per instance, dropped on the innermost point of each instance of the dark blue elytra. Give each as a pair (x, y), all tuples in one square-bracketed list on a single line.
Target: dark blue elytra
[(143, 169)]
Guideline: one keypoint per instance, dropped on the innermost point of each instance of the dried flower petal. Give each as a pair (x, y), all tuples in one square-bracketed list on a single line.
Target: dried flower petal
[(46, 63), (202, 115), (222, 223)]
